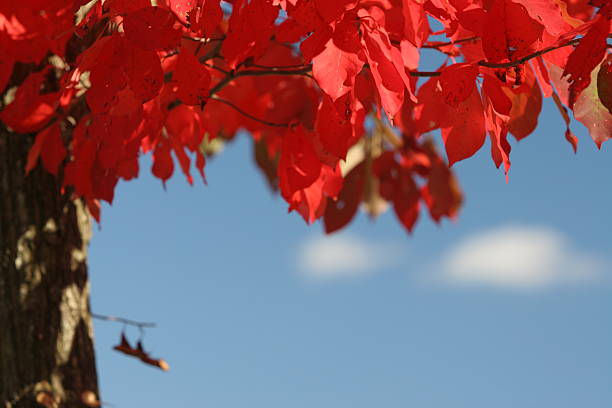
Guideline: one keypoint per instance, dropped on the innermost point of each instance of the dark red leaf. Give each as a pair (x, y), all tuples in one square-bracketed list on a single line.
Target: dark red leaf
[(604, 83), (587, 55), (151, 28), (341, 211)]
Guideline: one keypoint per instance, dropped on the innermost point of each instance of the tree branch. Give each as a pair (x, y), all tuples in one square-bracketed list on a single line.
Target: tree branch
[(248, 115), (305, 70), (436, 45), (269, 72), (526, 58), (122, 320), (215, 67)]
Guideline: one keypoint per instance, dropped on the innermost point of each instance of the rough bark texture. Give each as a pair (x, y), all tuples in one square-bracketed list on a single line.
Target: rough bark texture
[(46, 332)]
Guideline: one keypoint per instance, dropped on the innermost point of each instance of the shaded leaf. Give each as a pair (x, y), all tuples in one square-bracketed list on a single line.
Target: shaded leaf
[(587, 55), (604, 83), (341, 211), (593, 114), (151, 28)]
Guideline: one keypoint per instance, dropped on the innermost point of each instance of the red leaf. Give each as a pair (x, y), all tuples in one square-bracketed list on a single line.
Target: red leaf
[(151, 28), (464, 134), (200, 163), (334, 128), (336, 67), (94, 208), (587, 55), (250, 28), (106, 83), (163, 165), (128, 169), (333, 10), (541, 73), (593, 114), (29, 116), (406, 199), (396, 184), (30, 111), (315, 44), (498, 131), (571, 138), (548, 13), (78, 173), (604, 83), (192, 79), (526, 107), (144, 73), (341, 211), (458, 81), (431, 111), (121, 7), (416, 26), (125, 347), (299, 165), (205, 19), (306, 15), (201, 16), (509, 31), (53, 151), (442, 193), (473, 20), (493, 88), (387, 68), (311, 201)]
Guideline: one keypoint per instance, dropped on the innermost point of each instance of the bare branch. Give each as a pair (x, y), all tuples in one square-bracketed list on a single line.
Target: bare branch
[(122, 320)]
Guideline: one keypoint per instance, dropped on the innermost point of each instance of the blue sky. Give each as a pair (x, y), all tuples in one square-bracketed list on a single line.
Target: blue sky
[(253, 308), (509, 306)]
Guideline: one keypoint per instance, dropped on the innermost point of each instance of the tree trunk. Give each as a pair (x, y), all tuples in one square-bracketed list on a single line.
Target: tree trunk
[(46, 333)]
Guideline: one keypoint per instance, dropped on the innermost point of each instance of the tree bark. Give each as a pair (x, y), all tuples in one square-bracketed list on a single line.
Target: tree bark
[(46, 333)]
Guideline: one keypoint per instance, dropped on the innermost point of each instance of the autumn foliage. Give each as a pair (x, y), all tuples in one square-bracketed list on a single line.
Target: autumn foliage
[(329, 90)]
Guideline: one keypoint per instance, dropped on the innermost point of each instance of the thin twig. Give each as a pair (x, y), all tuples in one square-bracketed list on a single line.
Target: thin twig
[(248, 115), (436, 45), (213, 52), (216, 68), (424, 73), (280, 67), (306, 69), (526, 58), (233, 75), (444, 44), (122, 320)]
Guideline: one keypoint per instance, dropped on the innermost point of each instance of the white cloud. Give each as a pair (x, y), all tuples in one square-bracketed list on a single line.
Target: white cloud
[(519, 257), (343, 256)]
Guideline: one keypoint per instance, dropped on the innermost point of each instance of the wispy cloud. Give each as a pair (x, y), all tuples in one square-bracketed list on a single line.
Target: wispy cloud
[(519, 257), (343, 256)]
